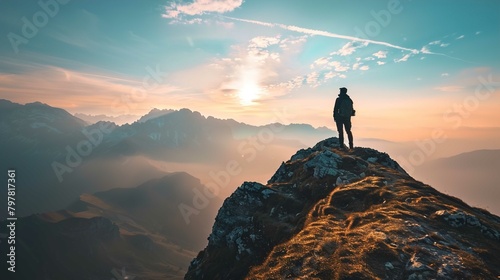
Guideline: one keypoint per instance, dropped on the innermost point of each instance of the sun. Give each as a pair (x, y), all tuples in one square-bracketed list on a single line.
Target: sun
[(248, 94), (249, 91)]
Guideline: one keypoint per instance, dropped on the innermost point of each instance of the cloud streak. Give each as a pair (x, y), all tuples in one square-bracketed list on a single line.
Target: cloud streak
[(309, 31)]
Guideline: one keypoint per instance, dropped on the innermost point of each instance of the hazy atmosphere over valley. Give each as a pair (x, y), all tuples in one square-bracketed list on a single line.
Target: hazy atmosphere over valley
[(131, 133)]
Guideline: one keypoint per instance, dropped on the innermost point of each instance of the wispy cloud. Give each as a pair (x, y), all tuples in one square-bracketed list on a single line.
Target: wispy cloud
[(437, 43), (350, 48), (445, 74), (330, 75), (425, 50), (290, 42), (449, 88), (402, 59), (320, 61), (263, 41), (289, 85), (312, 79), (380, 54), (199, 7), (338, 66)]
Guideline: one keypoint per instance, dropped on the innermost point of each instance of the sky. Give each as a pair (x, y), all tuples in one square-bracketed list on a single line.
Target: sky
[(411, 67)]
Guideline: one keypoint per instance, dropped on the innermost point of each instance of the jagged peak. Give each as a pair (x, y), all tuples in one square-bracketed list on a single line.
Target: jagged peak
[(325, 158)]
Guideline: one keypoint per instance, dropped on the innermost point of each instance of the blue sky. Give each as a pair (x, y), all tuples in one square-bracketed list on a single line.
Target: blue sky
[(405, 62)]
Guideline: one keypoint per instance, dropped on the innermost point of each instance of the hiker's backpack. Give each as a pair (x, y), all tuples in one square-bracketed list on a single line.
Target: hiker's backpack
[(346, 109)]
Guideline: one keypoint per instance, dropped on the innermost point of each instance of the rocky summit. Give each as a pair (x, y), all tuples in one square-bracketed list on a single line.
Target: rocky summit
[(329, 213)]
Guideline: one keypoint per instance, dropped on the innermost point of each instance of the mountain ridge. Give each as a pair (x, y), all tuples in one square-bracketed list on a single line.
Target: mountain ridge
[(335, 214)]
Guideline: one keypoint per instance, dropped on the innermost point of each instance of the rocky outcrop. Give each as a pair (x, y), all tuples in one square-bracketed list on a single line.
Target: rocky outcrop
[(334, 214)]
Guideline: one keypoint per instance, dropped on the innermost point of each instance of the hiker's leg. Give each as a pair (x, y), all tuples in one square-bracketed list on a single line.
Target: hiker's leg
[(340, 129), (348, 126)]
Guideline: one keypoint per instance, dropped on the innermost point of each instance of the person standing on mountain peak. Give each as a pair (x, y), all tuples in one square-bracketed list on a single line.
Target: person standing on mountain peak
[(342, 113)]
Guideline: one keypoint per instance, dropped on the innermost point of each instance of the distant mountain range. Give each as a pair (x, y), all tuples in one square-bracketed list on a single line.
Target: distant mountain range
[(123, 119), (140, 229), (92, 119), (58, 156)]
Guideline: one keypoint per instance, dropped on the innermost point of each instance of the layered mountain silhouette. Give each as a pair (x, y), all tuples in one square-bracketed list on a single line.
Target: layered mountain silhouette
[(59, 157), (122, 119), (335, 214), (139, 229)]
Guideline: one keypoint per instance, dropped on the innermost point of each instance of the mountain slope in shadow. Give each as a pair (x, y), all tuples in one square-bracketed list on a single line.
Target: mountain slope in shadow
[(140, 229)]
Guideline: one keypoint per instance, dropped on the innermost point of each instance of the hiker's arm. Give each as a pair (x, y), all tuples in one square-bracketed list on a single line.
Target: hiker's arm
[(335, 109)]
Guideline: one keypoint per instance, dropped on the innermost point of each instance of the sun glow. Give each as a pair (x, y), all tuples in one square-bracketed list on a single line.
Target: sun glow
[(248, 93), (249, 89)]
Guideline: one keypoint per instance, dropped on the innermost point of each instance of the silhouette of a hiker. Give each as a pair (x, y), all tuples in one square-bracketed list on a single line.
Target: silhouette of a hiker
[(342, 113)]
